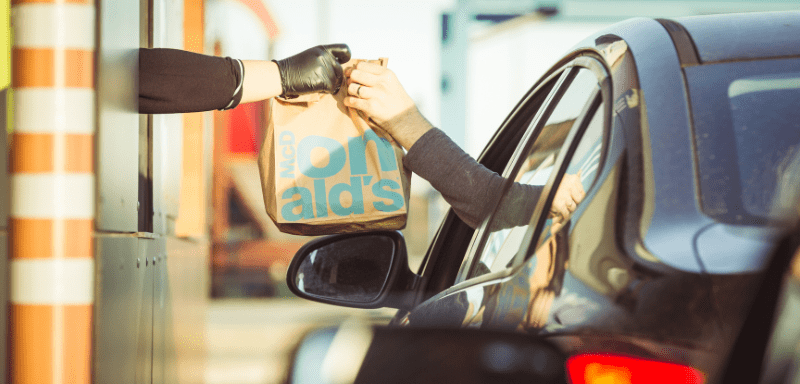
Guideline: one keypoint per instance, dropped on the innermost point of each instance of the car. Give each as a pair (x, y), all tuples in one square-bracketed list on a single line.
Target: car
[(355, 352), (683, 137)]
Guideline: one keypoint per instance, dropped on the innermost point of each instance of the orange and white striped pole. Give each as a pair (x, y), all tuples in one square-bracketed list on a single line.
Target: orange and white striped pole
[(52, 191)]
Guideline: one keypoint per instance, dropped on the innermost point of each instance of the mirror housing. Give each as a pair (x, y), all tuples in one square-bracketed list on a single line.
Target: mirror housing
[(358, 353), (360, 270)]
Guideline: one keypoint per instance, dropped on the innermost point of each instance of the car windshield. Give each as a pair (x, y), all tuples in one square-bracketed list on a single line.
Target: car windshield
[(747, 132)]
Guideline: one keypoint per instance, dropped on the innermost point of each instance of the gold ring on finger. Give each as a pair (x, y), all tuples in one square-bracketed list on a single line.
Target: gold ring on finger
[(358, 91)]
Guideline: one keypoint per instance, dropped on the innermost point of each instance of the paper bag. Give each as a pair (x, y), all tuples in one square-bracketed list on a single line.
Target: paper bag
[(326, 170)]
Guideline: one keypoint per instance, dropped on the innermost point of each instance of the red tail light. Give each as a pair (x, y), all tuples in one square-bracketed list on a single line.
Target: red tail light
[(612, 369)]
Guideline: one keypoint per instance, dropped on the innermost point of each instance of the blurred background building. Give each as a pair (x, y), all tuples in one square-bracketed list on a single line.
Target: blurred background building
[(186, 276)]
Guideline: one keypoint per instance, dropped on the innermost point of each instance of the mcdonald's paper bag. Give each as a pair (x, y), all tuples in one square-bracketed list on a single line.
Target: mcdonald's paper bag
[(325, 169)]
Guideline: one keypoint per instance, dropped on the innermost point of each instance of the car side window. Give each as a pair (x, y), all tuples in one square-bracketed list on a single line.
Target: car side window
[(450, 249), (579, 176), (511, 220)]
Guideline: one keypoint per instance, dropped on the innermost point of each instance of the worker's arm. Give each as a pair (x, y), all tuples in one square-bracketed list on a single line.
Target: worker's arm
[(262, 81), (176, 81)]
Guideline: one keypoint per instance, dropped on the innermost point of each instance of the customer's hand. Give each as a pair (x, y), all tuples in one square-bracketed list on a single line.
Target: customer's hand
[(568, 196), (317, 69), (377, 92)]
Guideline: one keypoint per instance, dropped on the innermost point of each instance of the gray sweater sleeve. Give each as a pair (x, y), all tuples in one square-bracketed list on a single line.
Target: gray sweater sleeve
[(470, 188)]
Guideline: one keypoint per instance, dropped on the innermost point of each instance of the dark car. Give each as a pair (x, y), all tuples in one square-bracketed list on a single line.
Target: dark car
[(684, 137)]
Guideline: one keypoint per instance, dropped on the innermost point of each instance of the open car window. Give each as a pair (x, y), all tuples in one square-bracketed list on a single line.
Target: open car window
[(578, 178), (449, 248), (503, 234)]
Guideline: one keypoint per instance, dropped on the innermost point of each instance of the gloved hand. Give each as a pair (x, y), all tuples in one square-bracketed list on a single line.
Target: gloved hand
[(316, 69)]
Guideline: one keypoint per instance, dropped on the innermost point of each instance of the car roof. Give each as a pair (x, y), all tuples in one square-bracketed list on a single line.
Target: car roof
[(744, 36)]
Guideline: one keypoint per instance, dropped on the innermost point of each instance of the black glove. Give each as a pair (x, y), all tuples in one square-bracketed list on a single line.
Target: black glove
[(316, 69)]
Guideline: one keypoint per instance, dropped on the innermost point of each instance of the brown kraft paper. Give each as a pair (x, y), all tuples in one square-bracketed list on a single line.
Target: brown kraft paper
[(326, 170)]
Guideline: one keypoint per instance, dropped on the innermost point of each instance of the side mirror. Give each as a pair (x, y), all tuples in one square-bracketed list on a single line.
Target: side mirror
[(361, 270), (356, 353)]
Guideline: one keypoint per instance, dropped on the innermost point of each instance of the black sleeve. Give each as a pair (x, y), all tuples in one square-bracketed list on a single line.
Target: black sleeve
[(176, 81), (470, 188)]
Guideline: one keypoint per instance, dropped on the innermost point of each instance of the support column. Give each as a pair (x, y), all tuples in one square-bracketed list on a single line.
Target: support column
[(192, 219), (52, 189), (455, 44)]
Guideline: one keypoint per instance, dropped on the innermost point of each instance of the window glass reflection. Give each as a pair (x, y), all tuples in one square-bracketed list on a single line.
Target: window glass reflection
[(511, 219)]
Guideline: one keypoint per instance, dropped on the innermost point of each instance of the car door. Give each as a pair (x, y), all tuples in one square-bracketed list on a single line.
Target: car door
[(508, 266)]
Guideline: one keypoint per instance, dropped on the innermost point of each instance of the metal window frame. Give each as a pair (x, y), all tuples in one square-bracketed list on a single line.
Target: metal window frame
[(583, 60)]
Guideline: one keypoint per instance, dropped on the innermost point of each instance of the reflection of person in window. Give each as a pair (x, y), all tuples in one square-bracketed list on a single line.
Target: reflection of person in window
[(532, 300), (548, 274), (470, 188)]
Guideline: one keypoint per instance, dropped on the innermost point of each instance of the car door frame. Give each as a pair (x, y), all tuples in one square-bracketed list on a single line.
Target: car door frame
[(452, 246), (447, 248), (531, 239)]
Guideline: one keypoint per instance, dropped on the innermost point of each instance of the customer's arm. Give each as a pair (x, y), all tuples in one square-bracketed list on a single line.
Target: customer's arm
[(470, 188)]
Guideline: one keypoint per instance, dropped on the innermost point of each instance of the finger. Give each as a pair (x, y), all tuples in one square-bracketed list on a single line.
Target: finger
[(355, 102), (373, 68), (562, 210), (358, 90), (556, 227), (340, 51), (352, 89), (363, 77), (576, 191), (578, 194), (567, 211), (568, 207)]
